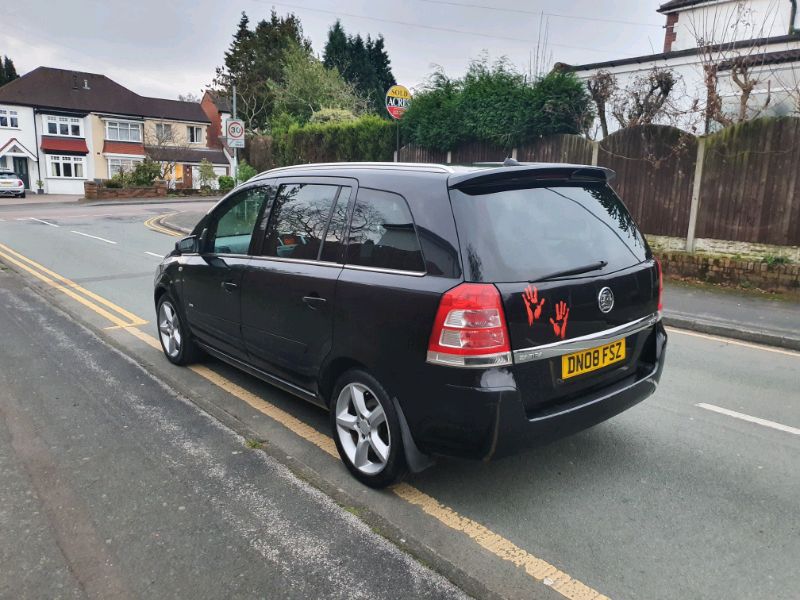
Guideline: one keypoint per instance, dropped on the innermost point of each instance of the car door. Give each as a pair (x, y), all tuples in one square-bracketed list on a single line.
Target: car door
[(289, 286), (212, 278)]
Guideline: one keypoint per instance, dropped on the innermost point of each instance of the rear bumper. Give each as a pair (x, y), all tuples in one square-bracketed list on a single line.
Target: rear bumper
[(487, 423)]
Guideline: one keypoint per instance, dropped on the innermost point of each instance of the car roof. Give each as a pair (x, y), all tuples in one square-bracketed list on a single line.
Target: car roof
[(455, 175)]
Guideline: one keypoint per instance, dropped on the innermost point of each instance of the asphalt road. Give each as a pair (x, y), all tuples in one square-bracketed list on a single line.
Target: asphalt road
[(668, 500)]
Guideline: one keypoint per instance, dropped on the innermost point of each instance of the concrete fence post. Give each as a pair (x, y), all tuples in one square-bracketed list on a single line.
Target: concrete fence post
[(449, 157), (595, 152), (695, 206), (514, 153)]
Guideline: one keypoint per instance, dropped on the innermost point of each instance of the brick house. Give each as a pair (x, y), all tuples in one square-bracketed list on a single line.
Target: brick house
[(65, 127)]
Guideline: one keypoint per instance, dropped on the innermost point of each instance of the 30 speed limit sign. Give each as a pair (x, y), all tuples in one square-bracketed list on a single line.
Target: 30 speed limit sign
[(234, 132)]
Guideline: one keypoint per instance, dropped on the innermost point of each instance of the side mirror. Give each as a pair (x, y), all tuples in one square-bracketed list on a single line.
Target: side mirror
[(186, 245)]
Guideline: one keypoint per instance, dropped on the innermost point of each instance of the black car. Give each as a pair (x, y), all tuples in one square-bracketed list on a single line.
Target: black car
[(434, 310)]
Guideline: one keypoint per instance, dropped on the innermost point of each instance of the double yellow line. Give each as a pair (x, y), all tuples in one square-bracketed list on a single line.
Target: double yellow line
[(536, 568), (154, 224)]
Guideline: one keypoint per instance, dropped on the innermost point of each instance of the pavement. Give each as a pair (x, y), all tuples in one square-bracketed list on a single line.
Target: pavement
[(709, 309), (690, 494)]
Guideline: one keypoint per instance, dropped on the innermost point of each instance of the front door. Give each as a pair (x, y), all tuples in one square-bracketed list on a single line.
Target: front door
[(212, 278), (21, 169), (288, 289)]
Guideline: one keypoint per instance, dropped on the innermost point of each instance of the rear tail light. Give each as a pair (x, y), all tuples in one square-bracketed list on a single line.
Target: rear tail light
[(660, 286), (470, 329), (19, 181)]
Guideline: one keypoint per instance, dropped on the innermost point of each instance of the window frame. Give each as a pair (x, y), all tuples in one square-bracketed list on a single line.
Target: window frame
[(53, 159), (134, 161), (9, 114), (351, 210), (161, 136), (128, 124), (58, 120), (341, 182), (209, 227), (190, 129)]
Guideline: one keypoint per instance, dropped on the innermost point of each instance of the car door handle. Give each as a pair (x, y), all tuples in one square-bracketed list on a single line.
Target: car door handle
[(314, 302), (229, 286)]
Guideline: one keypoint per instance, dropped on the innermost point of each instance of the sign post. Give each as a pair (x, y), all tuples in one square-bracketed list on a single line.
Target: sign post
[(398, 99)]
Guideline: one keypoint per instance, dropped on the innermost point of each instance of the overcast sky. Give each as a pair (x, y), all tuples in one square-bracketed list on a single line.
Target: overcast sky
[(168, 47)]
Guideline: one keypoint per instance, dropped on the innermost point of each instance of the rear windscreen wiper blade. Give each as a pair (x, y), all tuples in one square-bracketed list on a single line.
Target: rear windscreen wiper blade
[(601, 264)]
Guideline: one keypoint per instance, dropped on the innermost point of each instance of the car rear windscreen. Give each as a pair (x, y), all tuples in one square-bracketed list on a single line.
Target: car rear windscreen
[(8, 176), (525, 234)]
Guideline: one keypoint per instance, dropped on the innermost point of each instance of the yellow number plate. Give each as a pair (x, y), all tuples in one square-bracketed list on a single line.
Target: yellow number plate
[(593, 359)]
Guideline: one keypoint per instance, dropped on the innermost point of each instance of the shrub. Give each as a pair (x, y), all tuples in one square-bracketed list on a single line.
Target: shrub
[(332, 115), (116, 181), (244, 172), (226, 183), (205, 174), (144, 173)]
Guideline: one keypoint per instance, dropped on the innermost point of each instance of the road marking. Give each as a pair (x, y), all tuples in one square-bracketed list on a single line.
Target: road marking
[(748, 418), (717, 338), (45, 222), (71, 289), (154, 254), (536, 568), (152, 224), (93, 236)]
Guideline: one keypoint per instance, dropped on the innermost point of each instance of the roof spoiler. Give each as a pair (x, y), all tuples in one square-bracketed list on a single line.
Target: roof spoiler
[(523, 173)]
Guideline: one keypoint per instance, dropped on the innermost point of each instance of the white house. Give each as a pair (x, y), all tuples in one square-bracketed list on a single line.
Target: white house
[(763, 33), (18, 142)]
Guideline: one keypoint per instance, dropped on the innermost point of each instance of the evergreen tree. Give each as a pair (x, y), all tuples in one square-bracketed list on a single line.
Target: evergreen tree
[(363, 63), (254, 58), (7, 71)]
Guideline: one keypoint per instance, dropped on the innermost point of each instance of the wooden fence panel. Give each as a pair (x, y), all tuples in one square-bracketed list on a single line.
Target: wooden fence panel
[(563, 148), (473, 152), (415, 154), (655, 171), (751, 183)]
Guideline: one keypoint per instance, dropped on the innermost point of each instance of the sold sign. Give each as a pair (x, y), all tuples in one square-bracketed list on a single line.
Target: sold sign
[(398, 99)]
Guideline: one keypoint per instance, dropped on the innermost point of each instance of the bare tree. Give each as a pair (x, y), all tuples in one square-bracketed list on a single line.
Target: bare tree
[(189, 97), (719, 36), (645, 99), (602, 86), (165, 146)]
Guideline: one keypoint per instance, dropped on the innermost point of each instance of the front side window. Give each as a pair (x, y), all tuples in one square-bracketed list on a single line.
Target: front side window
[(65, 126), (299, 220), (122, 165), (9, 118), (69, 167), (195, 134), (234, 225), (123, 132), (382, 233)]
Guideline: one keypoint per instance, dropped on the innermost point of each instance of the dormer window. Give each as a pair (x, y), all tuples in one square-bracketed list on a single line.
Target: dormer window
[(66, 126), (123, 131)]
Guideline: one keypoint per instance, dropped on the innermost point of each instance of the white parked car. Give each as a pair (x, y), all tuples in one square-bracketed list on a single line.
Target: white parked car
[(11, 184)]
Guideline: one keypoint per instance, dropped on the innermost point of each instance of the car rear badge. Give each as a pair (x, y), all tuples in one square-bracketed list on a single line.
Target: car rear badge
[(605, 300)]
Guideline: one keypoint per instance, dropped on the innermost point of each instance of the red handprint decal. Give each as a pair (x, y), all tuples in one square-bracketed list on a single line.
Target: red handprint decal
[(532, 304), (560, 324)]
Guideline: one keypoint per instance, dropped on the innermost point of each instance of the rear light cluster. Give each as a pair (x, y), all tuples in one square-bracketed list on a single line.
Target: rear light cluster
[(19, 182), (470, 329), (660, 286)]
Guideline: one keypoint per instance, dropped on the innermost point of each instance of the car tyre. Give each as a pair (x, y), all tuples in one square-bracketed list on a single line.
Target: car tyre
[(22, 195), (366, 429), (176, 341)]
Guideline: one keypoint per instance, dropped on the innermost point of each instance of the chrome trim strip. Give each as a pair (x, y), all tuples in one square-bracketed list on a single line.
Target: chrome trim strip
[(303, 261), (379, 270), (501, 359), (585, 342), (424, 167)]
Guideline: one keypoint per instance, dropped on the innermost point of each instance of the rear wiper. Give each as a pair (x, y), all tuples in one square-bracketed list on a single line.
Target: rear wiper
[(601, 264)]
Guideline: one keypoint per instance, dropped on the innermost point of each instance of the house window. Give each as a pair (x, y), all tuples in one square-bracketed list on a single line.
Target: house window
[(195, 134), (123, 132), (65, 167), (3, 164), (163, 132), (67, 126), (8, 118), (120, 165)]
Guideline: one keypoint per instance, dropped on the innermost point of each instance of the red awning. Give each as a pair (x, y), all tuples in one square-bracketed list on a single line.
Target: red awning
[(133, 148), (64, 144)]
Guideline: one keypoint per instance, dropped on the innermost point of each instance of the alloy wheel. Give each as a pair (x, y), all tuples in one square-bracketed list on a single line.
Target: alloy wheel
[(362, 428), (169, 329)]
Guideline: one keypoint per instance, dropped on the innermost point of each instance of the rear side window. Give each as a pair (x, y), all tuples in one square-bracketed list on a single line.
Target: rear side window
[(382, 233), (516, 235), (299, 220)]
